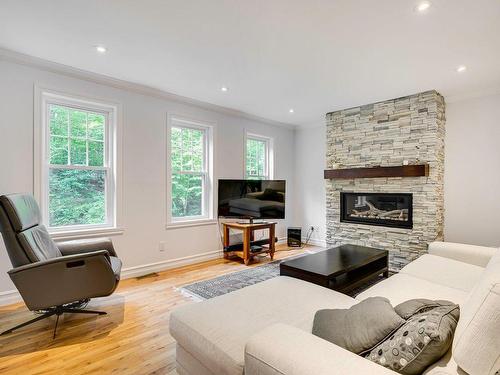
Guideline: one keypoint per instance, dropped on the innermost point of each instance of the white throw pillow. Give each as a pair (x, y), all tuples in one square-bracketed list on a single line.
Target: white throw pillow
[(476, 346)]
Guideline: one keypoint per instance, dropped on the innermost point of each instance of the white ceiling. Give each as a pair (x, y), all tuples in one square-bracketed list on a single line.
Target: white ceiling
[(312, 55)]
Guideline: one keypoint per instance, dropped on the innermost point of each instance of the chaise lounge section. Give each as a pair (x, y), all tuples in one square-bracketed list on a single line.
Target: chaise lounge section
[(265, 329)]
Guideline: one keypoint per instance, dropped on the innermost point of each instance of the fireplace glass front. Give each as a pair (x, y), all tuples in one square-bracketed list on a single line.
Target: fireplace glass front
[(385, 209)]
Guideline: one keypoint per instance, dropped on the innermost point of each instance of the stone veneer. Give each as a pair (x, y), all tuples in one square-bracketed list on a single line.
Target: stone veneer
[(387, 133)]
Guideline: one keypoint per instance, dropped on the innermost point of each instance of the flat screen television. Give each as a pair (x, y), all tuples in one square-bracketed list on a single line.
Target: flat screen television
[(252, 199)]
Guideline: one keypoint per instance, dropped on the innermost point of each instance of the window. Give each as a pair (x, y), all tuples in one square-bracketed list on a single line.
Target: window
[(77, 175), (258, 158), (190, 179)]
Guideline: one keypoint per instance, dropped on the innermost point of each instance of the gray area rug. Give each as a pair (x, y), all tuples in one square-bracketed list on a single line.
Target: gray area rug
[(220, 285)]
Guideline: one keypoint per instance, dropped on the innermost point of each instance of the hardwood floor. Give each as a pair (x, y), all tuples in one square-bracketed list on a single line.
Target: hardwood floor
[(132, 339)]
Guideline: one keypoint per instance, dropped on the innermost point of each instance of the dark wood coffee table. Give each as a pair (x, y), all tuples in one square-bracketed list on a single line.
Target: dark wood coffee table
[(340, 268)]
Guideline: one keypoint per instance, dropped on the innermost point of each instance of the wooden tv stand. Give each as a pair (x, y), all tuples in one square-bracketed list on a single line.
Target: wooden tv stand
[(248, 236)]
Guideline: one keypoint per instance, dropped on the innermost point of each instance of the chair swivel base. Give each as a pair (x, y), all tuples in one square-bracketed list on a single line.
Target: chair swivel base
[(58, 311)]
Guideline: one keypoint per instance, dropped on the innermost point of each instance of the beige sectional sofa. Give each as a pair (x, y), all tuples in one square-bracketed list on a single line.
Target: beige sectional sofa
[(265, 329)]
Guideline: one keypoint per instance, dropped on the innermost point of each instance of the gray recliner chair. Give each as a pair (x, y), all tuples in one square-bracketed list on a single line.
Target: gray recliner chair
[(54, 278)]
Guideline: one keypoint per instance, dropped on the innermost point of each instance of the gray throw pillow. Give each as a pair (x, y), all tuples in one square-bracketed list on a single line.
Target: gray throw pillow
[(359, 328), (420, 342), (415, 306)]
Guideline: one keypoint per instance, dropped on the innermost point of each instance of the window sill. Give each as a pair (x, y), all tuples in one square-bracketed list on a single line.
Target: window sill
[(85, 233), (190, 223)]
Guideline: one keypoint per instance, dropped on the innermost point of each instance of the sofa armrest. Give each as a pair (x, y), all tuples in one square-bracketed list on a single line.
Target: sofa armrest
[(284, 350), (65, 279), (472, 254), (86, 246)]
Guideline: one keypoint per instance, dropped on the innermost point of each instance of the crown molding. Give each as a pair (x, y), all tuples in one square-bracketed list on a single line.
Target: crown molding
[(69, 71)]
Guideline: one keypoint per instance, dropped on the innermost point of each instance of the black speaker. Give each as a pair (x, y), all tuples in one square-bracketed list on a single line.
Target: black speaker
[(294, 237)]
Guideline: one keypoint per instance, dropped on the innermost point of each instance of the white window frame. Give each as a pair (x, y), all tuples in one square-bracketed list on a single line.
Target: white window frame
[(269, 154), (43, 99), (207, 216)]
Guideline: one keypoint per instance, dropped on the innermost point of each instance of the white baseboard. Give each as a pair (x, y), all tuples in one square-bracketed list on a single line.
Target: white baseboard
[(145, 269), (12, 296), (9, 296), (315, 242)]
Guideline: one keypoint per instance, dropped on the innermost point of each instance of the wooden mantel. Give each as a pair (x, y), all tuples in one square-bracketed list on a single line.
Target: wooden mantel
[(398, 171)]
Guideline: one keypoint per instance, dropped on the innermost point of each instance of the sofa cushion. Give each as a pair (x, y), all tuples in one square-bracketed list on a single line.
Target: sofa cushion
[(215, 331), (420, 342), (444, 271), (360, 327), (416, 306), (402, 287), (476, 347)]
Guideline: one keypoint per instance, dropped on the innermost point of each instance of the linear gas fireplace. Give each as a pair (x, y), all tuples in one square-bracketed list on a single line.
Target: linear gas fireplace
[(384, 209)]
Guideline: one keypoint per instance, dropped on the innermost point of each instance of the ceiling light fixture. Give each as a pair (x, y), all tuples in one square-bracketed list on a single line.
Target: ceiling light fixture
[(423, 6), (291, 110), (101, 49), (223, 89), (461, 68)]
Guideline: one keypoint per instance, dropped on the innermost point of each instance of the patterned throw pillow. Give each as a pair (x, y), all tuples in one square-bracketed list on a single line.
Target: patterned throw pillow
[(420, 342)]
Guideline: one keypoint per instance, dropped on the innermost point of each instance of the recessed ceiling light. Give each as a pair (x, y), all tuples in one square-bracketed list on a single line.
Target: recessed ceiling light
[(101, 49), (461, 68), (423, 6), (291, 110), (224, 89)]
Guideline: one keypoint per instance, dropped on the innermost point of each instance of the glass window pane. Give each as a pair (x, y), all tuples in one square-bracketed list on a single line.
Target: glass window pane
[(76, 197), (59, 150), (78, 152), (58, 120), (78, 122), (96, 126), (256, 158), (187, 192), (176, 149), (96, 154)]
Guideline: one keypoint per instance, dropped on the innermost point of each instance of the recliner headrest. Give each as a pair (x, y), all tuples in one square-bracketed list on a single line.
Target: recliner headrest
[(22, 210)]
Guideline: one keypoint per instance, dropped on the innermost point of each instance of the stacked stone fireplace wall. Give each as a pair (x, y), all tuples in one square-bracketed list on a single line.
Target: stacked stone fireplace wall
[(409, 129)]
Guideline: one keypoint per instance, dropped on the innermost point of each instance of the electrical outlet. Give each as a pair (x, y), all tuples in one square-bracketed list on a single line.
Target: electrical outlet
[(162, 246)]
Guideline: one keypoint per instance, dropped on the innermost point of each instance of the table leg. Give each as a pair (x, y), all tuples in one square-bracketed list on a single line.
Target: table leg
[(246, 245), (271, 241), (226, 240)]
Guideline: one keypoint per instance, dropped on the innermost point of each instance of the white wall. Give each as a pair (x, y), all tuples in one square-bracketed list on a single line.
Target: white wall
[(310, 193), (472, 173), (144, 155)]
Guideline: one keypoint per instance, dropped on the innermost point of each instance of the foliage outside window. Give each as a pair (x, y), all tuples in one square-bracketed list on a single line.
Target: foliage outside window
[(78, 170), (189, 178), (257, 158)]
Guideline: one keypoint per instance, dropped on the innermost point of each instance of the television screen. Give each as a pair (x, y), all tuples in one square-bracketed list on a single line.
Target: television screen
[(252, 199)]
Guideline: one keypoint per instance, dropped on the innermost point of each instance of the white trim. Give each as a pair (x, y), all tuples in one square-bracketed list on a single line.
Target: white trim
[(53, 67), (145, 269), (86, 233), (314, 242), (43, 96), (190, 223), (270, 154), (9, 297), (12, 296), (209, 155)]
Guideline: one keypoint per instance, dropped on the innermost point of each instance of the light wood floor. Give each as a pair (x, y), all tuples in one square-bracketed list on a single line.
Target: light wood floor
[(132, 339)]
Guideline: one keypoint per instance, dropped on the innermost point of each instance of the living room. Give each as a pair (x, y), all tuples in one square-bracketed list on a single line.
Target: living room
[(211, 188)]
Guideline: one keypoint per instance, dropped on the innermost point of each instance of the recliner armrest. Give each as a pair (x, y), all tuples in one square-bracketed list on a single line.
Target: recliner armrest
[(86, 246), (283, 349), (472, 254), (64, 279)]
